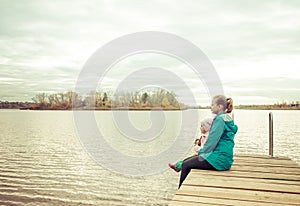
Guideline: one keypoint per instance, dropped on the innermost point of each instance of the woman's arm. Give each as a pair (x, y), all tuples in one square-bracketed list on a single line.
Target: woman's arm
[(214, 136)]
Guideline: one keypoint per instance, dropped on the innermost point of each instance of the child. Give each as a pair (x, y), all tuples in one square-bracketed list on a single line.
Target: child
[(198, 144)]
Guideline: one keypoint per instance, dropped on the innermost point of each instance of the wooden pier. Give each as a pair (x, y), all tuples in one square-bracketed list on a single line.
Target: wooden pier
[(252, 180)]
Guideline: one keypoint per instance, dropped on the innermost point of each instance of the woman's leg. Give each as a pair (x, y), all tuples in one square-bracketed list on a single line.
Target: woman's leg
[(196, 162), (177, 165)]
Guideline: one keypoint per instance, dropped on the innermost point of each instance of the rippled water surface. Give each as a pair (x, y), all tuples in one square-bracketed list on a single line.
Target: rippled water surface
[(43, 163)]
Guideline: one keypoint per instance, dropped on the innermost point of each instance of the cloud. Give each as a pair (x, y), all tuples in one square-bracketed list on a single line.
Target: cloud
[(270, 90), (44, 44)]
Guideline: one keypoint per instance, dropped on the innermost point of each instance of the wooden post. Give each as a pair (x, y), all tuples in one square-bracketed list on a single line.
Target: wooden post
[(271, 134)]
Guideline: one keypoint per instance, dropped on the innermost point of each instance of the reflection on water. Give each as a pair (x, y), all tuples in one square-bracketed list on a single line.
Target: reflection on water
[(43, 163)]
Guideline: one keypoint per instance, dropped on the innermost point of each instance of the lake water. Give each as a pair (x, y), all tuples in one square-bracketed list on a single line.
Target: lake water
[(42, 160)]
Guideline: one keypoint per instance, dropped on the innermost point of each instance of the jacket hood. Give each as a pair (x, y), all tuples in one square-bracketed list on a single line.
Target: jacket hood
[(229, 123)]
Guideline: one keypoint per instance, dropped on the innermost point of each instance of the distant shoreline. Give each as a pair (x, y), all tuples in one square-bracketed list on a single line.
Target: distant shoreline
[(157, 99), (267, 107), (33, 106), (107, 109), (155, 109)]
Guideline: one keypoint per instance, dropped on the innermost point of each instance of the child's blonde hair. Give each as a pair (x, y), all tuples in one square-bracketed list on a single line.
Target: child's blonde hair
[(206, 123)]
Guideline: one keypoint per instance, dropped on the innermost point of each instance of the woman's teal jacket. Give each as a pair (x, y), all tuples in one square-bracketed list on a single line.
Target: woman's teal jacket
[(218, 149)]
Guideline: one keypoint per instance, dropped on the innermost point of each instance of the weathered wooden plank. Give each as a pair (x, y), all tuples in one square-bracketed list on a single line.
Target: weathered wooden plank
[(245, 195), (179, 202), (288, 163), (225, 175), (260, 156), (279, 170), (249, 174), (243, 183), (265, 159), (252, 180), (198, 200), (257, 164)]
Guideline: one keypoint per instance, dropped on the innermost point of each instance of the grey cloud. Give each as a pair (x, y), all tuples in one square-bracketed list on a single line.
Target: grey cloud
[(246, 29), (278, 88), (31, 81)]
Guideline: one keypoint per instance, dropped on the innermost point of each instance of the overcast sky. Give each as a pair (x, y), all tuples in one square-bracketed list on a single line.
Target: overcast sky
[(253, 45)]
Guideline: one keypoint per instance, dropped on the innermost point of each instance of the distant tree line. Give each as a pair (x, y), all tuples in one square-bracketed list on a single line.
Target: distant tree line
[(57, 101), (295, 105), (105, 100), (154, 99), (14, 105)]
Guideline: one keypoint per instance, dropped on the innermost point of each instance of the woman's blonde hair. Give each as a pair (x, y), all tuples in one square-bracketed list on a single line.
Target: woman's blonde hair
[(227, 103)]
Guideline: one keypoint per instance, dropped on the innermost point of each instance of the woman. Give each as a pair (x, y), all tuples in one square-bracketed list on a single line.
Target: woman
[(217, 152)]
